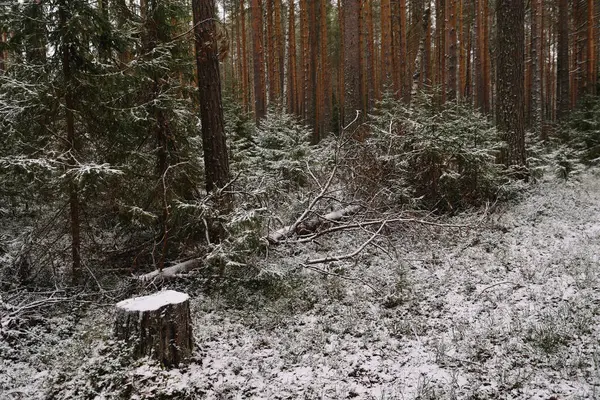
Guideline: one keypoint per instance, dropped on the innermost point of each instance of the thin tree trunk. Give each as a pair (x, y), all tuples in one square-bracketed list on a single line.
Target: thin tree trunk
[(386, 45), (562, 62), (260, 96), (292, 91), (371, 70), (452, 51), (536, 82), (403, 53), (362, 48), (271, 57), (426, 79), (279, 52), (420, 52), (245, 72), (441, 23), (591, 70), (314, 49), (487, 76), (351, 12), (341, 71)]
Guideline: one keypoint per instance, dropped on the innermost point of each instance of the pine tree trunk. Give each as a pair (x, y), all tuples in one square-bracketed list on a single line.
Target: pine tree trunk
[(278, 52), (452, 51), (510, 54), (245, 72), (324, 81), (306, 57), (591, 70), (362, 48), (373, 90), (403, 53), (536, 82), (395, 33), (292, 92), (426, 79), (216, 162), (158, 326), (351, 13), (443, 46), (260, 95), (271, 57), (341, 71), (562, 61), (386, 45)]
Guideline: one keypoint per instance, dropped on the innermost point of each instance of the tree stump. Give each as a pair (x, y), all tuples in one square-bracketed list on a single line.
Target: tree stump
[(158, 326)]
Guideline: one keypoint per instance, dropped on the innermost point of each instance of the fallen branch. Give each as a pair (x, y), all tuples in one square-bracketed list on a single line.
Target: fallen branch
[(363, 224), (349, 255), (348, 278), (171, 272)]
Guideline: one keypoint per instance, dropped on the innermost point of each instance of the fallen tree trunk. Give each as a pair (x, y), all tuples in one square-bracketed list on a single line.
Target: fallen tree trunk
[(171, 272), (158, 326), (304, 227)]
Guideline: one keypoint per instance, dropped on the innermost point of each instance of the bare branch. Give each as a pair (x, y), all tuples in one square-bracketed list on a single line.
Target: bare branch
[(349, 255)]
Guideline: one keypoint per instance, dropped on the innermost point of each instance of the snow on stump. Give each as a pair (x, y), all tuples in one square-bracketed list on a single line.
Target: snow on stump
[(158, 326)]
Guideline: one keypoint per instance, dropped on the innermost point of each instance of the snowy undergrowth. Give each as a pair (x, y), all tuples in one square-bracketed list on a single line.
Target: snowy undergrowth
[(509, 309)]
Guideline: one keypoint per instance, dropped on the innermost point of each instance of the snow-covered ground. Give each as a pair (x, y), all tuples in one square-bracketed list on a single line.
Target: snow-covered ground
[(509, 309)]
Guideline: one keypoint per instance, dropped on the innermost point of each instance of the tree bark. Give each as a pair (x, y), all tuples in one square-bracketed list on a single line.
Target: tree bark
[(260, 95), (216, 160), (452, 51), (351, 12), (245, 72), (562, 61), (386, 45), (591, 70), (510, 53), (536, 81), (278, 52), (292, 91)]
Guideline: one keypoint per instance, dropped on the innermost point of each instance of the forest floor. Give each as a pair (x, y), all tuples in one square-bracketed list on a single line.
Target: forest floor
[(508, 308)]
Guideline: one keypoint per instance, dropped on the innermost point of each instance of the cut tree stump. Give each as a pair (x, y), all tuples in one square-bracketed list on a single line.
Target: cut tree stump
[(158, 326)]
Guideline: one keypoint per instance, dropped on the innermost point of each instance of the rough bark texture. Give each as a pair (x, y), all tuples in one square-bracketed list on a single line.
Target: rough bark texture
[(216, 162), (536, 81), (452, 50), (278, 51), (271, 54), (245, 75), (351, 10), (591, 70), (158, 326), (341, 84), (510, 51), (260, 95), (403, 53), (386, 45), (562, 61), (292, 92)]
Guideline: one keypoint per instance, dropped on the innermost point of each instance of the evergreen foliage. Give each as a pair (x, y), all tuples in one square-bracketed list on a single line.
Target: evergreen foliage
[(423, 156), (581, 130)]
